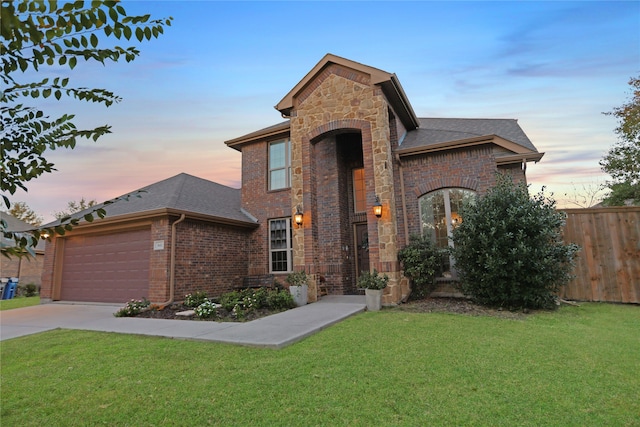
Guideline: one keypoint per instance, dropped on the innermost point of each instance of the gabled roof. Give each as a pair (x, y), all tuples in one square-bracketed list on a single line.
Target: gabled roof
[(281, 130), (182, 194), (16, 225), (387, 81), (435, 134)]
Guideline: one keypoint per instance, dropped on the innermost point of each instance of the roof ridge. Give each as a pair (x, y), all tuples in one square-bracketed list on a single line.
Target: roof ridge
[(181, 182), (466, 118)]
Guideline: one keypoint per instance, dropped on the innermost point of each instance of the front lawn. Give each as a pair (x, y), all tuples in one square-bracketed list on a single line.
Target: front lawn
[(577, 366), (18, 302)]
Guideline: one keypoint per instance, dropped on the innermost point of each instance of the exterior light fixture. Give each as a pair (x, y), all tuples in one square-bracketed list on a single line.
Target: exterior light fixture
[(297, 217), (377, 208)]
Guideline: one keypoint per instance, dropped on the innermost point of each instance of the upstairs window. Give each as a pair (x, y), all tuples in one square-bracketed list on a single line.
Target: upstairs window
[(280, 164), (280, 245)]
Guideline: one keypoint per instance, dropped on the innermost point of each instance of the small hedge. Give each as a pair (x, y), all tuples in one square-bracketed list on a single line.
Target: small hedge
[(240, 303), (421, 261)]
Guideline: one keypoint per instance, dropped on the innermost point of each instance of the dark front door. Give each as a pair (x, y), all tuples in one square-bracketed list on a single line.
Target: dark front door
[(362, 248)]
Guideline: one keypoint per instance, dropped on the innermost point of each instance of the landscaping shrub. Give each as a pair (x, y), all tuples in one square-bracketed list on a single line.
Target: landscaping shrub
[(509, 251), (206, 309), (230, 299), (132, 308), (421, 260), (28, 290), (372, 280), (240, 303), (195, 299), (280, 300)]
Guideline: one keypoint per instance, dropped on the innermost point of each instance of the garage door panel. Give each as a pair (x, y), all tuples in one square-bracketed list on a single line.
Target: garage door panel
[(106, 268)]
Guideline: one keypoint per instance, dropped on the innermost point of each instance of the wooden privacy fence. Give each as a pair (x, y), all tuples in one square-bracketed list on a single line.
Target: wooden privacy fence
[(608, 264)]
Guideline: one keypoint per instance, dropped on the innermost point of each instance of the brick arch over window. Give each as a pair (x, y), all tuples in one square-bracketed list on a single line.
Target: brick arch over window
[(446, 182), (341, 125)]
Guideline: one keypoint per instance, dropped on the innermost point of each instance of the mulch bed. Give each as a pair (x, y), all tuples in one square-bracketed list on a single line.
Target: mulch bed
[(460, 306), (222, 315), (427, 305)]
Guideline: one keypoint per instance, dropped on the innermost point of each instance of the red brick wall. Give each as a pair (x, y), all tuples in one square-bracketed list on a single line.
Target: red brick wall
[(261, 203), (209, 257), (472, 168), (514, 171), (159, 260), (9, 267), (46, 282), (28, 268)]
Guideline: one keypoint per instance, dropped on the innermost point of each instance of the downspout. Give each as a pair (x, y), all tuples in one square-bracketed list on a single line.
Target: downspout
[(172, 265), (404, 201)]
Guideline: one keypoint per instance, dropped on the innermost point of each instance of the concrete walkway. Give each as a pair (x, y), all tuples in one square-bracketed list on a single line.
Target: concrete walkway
[(276, 331)]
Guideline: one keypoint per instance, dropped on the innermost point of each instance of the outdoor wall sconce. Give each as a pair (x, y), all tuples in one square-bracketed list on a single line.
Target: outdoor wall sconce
[(377, 208), (297, 217)]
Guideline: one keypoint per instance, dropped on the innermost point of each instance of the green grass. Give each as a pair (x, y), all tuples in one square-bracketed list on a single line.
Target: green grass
[(18, 302), (575, 367)]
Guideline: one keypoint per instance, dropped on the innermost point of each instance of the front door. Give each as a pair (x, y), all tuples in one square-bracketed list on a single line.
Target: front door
[(362, 248)]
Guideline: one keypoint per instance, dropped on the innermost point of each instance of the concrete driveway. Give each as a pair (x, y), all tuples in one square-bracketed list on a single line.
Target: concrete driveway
[(276, 331)]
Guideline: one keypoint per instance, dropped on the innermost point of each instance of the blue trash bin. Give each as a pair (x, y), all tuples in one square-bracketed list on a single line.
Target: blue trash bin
[(10, 288)]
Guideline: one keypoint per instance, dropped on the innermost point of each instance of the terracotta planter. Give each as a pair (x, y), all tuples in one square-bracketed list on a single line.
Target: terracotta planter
[(300, 294), (373, 298)]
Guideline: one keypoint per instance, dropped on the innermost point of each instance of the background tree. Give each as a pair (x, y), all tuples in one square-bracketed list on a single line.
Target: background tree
[(38, 34), (75, 206), (587, 194), (23, 212), (622, 161), (509, 251)]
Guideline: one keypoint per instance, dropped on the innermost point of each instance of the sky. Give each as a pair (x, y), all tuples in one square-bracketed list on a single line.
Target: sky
[(220, 68)]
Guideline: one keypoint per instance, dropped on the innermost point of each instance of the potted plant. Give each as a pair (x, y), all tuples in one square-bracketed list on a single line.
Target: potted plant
[(298, 286), (373, 285)]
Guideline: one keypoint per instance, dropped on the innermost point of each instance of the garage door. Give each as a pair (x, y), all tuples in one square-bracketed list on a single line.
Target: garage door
[(106, 268)]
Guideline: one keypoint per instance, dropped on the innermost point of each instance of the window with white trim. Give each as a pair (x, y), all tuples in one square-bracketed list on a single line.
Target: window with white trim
[(280, 246), (440, 214), (280, 164)]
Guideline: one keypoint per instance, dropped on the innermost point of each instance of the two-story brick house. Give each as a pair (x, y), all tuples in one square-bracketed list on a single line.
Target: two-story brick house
[(350, 142)]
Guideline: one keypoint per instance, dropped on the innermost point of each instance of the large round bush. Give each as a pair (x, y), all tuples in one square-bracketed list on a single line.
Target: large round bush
[(509, 250)]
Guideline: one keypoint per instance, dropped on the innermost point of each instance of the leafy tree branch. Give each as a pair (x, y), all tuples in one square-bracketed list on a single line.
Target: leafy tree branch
[(36, 34)]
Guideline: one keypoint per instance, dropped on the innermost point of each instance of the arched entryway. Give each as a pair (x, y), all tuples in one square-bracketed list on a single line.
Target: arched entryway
[(338, 200)]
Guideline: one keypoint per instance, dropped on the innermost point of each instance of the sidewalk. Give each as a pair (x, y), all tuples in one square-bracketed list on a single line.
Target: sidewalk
[(276, 331)]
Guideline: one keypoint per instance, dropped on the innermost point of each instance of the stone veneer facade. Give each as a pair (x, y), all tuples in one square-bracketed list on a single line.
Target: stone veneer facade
[(342, 100)]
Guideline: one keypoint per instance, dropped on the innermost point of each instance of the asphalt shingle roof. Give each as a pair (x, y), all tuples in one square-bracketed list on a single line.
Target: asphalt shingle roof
[(442, 130), (184, 193), (16, 225)]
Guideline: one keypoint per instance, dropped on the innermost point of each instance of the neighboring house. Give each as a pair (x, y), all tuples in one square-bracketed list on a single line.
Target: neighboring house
[(351, 141), (28, 268)]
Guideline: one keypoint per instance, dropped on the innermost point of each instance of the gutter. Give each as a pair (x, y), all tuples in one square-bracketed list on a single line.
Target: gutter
[(172, 267)]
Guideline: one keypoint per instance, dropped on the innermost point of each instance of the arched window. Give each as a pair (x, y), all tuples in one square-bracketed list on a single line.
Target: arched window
[(440, 214)]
